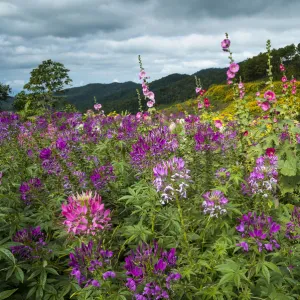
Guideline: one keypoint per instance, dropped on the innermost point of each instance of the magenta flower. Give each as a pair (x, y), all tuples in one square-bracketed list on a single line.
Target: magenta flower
[(85, 214), (150, 103), (264, 105), (97, 106), (270, 96), (234, 67), (218, 124), (230, 74), (45, 153), (225, 44), (142, 74)]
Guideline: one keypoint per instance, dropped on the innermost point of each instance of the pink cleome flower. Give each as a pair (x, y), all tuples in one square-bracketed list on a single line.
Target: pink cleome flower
[(85, 214)]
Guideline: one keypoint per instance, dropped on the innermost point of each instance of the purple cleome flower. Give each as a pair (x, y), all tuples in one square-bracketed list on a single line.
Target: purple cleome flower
[(33, 244), (263, 178), (149, 272), (214, 203), (258, 230), (171, 179), (45, 153), (30, 190), (293, 227), (150, 149), (89, 262)]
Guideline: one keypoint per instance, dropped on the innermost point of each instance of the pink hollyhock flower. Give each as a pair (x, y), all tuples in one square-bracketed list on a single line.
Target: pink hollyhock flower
[(229, 81), (269, 95), (218, 124), (234, 67), (294, 92), (225, 44), (98, 106), (150, 95), (202, 92), (200, 105), (142, 74), (282, 68), (150, 103), (270, 152), (138, 115), (283, 79), (241, 85), (257, 94), (198, 90), (264, 105), (85, 214), (206, 103), (230, 74)]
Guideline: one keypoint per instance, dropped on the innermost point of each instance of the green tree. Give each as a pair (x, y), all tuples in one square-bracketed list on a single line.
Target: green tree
[(4, 92), (46, 82)]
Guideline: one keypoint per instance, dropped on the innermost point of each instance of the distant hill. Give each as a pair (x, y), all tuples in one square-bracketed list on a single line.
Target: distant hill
[(177, 88)]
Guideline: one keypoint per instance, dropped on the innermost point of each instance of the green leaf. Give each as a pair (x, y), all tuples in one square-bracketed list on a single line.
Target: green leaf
[(272, 266), (7, 254), (227, 278), (19, 274), (6, 294), (31, 292), (266, 273)]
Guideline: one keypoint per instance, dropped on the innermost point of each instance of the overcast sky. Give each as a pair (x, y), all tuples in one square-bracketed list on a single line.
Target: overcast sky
[(99, 40)]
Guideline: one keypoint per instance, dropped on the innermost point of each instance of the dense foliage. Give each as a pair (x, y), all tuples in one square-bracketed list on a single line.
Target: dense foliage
[(154, 206)]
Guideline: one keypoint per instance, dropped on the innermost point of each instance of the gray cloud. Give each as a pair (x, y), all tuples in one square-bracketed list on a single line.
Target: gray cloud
[(99, 40)]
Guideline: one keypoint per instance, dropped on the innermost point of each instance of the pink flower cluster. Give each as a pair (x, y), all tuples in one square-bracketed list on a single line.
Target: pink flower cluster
[(148, 94), (85, 214), (270, 97), (284, 80), (242, 90), (231, 72)]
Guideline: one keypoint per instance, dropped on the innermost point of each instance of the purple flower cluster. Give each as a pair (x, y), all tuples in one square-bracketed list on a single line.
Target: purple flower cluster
[(222, 175), (33, 244), (149, 149), (102, 176), (9, 124), (214, 203), (207, 139), (89, 263), (149, 272), (293, 227), (263, 178), (258, 230), (171, 179), (30, 190)]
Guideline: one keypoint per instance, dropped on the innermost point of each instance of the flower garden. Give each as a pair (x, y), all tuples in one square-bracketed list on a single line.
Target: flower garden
[(154, 205)]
